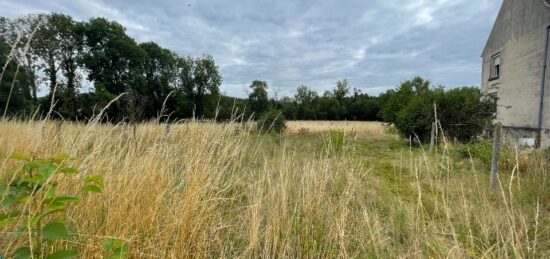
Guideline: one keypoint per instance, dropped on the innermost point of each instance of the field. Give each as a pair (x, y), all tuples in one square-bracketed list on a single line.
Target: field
[(320, 190)]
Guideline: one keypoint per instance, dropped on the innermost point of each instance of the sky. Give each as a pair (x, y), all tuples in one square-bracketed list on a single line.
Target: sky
[(374, 44)]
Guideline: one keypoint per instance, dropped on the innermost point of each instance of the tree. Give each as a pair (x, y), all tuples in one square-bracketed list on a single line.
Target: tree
[(305, 99), (200, 81), (304, 95), (341, 90), (53, 52), (207, 83), (462, 113), (160, 76), (63, 50), (114, 62), (14, 96), (272, 121), (258, 100), (397, 99), (68, 54), (328, 108), (45, 46)]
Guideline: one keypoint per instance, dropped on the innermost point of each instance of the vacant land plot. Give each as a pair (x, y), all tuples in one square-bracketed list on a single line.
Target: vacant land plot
[(323, 189)]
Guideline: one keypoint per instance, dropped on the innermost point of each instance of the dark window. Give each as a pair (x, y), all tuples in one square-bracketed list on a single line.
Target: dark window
[(496, 66)]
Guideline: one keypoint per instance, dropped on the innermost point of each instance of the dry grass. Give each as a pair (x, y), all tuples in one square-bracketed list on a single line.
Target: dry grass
[(204, 190), (375, 128)]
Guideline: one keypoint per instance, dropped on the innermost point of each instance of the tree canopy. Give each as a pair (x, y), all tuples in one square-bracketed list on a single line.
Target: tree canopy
[(81, 66), (64, 54)]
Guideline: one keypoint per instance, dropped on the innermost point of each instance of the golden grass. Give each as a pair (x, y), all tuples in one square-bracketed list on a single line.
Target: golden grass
[(373, 127), (203, 190)]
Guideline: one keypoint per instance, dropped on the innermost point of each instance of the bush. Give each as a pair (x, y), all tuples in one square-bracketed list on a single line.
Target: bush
[(272, 121), (463, 114), (416, 118), (482, 150), (30, 192)]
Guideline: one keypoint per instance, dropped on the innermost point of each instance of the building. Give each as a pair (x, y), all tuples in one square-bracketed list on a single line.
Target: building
[(515, 72)]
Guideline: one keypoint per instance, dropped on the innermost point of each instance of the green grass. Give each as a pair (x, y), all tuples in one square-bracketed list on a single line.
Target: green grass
[(396, 174)]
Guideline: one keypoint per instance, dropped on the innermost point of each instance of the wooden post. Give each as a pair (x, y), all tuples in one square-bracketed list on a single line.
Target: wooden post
[(432, 138), (496, 155)]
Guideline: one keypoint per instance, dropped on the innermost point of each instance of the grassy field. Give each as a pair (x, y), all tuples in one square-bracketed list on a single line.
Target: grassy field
[(320, 190)]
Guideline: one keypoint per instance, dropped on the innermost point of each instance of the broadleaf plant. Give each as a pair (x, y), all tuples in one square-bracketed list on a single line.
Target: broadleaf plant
[(31, 204)]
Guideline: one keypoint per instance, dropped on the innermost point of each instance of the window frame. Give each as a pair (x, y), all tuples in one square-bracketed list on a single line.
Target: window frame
[(494, 68)]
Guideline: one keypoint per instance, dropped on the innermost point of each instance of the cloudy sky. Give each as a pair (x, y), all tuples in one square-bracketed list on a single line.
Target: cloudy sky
[(375, 44)]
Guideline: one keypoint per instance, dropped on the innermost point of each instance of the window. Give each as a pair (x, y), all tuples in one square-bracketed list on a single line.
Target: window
[(546, 2), (496, 68)]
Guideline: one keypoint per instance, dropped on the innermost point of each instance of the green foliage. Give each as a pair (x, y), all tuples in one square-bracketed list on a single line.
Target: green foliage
[(258, 100), (272, 121), (341, 90), (63, 254), (416, 117), (20, 97), (463, 113), (337, 104), (481, 150), (335, 140), (160, 75), (398, 99), (117, 249), (199, 80), (32, 205), (61, 48)]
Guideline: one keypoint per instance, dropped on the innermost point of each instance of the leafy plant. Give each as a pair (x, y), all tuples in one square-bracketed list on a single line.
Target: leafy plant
[(272, 121), (31, 204), (462, 112), (116, 248), (483, 151)]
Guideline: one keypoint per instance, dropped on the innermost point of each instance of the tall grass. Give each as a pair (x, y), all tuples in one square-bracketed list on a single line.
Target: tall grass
[(203, 190)]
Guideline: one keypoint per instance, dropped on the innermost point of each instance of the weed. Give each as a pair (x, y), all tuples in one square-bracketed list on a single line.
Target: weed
[(34, 209)]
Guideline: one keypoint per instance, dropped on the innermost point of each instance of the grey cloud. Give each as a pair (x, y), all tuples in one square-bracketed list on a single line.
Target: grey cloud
[(374, 44)]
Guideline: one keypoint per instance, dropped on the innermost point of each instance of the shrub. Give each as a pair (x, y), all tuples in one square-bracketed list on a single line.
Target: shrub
[(396, 100), (33, 206), (416, 118), (272, 121), (482, 150), (463, 114)]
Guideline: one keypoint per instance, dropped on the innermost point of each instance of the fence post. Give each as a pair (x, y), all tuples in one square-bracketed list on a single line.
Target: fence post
[(432, 138), (496, 155)]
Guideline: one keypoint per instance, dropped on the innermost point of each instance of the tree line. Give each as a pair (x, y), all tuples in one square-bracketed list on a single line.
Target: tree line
[(56, 52), (412, 107), (85, 65)]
